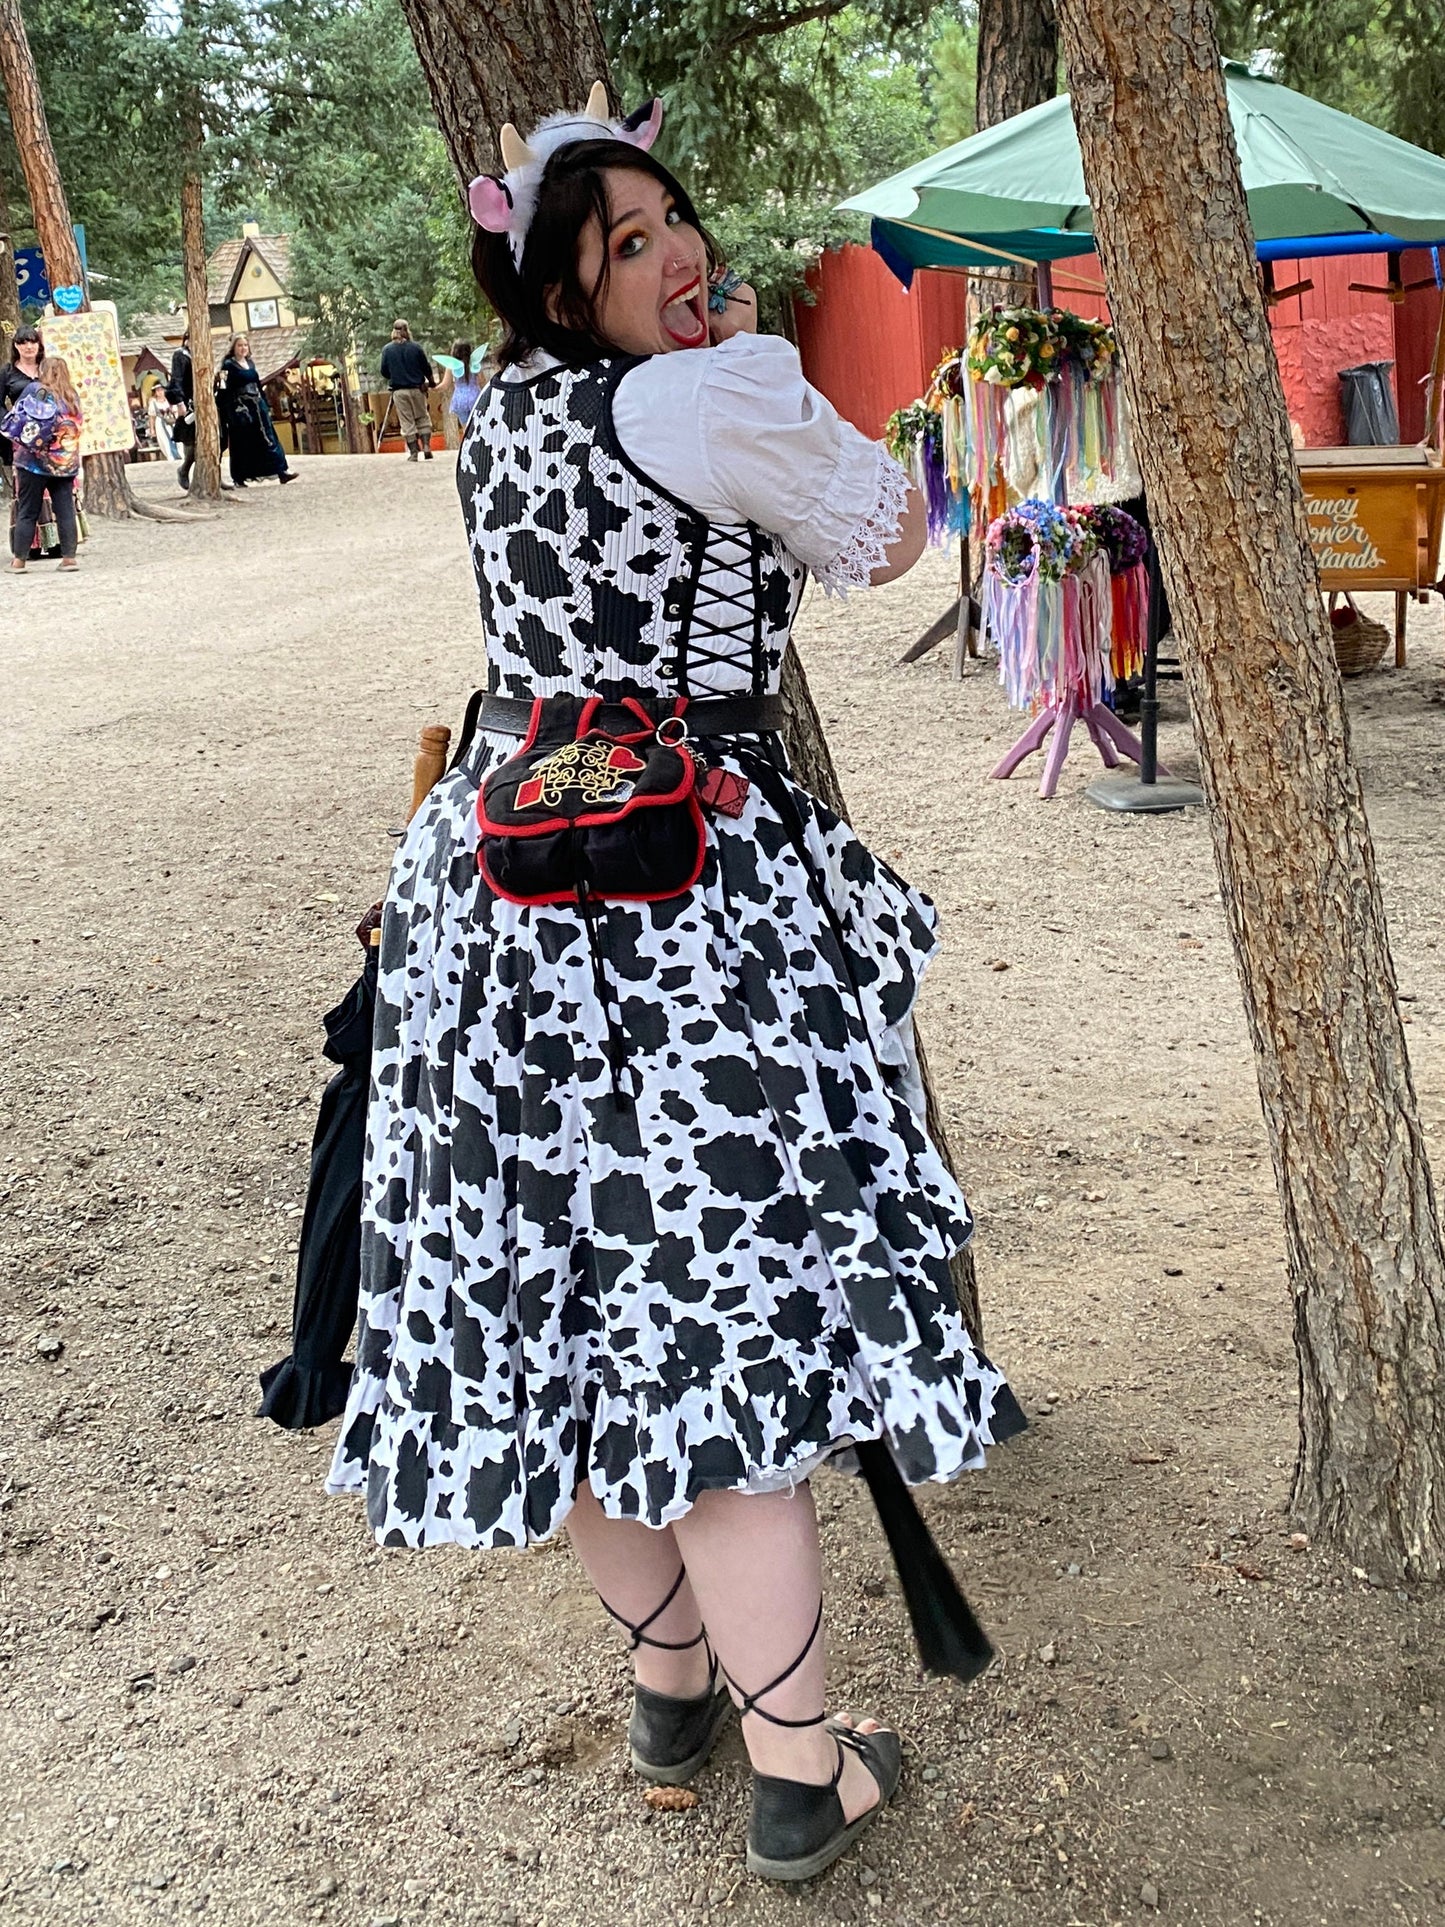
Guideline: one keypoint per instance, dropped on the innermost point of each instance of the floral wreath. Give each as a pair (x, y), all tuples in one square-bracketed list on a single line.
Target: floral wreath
[(1038, 539), (910, 427), (1025, 347), (1117, 535), (949, 379), (1091, 345), (1013, 348)]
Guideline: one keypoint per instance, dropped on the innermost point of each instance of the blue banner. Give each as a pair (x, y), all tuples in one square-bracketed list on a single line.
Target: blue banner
[(31, 277)]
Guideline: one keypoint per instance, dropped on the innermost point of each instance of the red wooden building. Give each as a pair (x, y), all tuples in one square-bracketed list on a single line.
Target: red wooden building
[(870, 345)]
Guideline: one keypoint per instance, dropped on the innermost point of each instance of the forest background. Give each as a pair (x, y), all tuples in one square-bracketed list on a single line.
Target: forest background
[(315, 121)]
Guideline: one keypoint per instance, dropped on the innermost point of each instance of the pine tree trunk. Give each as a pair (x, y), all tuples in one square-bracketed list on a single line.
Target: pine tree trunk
[(1018, 58), (9, 289), (1292, 845), (206, 472), (107, 488), (1018, 66), (37, 156), (489, 61)]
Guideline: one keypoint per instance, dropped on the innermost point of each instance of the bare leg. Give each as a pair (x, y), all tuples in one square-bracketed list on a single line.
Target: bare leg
[(634, 1568), (756, 1572)]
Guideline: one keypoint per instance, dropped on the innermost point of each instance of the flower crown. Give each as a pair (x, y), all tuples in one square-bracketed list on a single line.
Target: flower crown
[(506, 203)]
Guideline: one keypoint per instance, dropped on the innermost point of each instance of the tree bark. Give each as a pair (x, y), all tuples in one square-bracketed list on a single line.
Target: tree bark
[(1018, 67), (490, 61), (206, 472), (1018, 58), (43, 184), (107, 488), (1292, 844), (9, 288), (486, 62)]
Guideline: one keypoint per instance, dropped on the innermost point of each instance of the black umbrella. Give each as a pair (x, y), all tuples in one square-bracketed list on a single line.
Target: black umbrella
[(310, 1385)]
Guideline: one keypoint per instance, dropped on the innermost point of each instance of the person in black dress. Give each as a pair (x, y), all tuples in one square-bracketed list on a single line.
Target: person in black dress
[(27, 351), (181, 394), (255, 451)]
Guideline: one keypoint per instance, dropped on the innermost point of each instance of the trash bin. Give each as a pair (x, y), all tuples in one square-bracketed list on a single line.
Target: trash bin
[(1369, 405)]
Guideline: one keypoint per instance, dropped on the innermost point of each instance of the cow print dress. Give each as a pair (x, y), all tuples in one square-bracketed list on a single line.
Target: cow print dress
[(745, 1270)]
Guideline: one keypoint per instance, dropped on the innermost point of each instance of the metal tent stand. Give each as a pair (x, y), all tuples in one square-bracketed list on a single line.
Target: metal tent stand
[(1144, 794)]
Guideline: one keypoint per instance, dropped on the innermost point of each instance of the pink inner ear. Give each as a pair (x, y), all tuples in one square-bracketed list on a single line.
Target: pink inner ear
[(648, 132), (490, 203)]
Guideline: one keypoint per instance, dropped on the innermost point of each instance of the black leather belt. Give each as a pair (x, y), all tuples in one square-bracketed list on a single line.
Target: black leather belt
[(709, 716)]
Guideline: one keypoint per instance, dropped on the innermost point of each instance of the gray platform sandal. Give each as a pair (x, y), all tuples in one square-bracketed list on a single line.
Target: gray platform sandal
[(669, 1739)]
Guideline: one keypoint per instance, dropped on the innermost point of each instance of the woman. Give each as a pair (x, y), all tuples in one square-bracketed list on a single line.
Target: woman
[(250, 434), (44, 429), (652, 1227), (158, 420), (463, 364), (26, 353)]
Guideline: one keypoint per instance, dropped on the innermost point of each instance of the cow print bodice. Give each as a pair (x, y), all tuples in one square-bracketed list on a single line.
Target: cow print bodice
[(592, 577)]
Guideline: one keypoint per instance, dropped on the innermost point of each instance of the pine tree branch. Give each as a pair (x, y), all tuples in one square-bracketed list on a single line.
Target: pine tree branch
[(766, 25)]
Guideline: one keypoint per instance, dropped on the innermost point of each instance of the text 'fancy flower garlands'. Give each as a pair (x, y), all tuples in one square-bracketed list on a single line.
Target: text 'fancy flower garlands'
[(505, 203), (1066, 600)]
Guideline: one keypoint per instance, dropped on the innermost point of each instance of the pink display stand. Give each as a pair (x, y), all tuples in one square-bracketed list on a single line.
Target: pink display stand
[(1107, 733)]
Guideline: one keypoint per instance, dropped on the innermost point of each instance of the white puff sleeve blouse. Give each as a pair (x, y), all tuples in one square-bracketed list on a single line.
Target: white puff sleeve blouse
[(739, 434)]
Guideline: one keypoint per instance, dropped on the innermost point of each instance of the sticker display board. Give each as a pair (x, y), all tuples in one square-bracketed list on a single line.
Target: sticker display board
[(90, 345), (1375, 528)]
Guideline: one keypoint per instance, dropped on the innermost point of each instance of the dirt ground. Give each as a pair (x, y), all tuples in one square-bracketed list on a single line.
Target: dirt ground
[(218, 1698)]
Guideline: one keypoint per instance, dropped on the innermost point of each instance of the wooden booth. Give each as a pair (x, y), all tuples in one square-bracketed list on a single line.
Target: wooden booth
[(1375, 521)]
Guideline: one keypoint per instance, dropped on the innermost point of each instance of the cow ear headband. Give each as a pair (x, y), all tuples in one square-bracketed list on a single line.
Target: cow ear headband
[(506, 203)]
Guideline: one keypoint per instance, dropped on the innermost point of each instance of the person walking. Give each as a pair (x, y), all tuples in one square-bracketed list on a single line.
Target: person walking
[(407, 372), (464, 364), (43, 426), (250, 433), (652, 1226), (158, 416), (181, 394)]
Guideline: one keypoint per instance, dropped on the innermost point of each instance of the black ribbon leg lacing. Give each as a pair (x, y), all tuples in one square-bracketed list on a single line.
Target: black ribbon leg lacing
[(639, 1631), (748, 1702), (638, 1634)]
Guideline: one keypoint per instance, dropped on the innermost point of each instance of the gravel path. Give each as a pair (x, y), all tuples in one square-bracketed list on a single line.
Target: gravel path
[(218, 1698)]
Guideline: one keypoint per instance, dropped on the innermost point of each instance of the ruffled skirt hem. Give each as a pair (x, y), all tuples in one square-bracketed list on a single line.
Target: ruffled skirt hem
[(644, 1461)]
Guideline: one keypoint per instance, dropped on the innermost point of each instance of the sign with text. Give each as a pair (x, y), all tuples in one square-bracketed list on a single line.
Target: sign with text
[(90, 346), (1375, 528)]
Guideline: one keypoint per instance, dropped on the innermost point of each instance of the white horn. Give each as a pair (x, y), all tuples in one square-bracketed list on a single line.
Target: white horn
[(599, 107), (515, 151)]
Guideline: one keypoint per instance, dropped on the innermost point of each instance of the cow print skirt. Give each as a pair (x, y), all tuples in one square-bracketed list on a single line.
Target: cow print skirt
[(715, 1286)]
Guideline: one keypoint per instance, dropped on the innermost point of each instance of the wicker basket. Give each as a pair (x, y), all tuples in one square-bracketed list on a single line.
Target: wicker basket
[(1359, 642)]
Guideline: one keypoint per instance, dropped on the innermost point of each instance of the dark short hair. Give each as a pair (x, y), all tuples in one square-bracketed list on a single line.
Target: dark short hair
[(24, 334), (572, 193)]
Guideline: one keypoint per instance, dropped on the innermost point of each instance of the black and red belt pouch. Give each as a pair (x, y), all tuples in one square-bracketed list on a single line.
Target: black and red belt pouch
[(584, 813)]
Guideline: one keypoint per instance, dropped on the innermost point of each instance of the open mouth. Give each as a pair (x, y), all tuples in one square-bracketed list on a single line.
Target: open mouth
[(684, 318)]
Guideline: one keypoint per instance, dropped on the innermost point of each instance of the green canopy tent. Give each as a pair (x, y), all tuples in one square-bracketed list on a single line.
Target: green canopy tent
[(1016, 191)]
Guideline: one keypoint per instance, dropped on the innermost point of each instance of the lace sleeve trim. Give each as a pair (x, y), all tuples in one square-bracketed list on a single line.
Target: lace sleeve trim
[(867, 548)]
